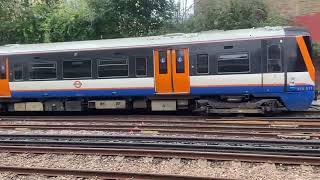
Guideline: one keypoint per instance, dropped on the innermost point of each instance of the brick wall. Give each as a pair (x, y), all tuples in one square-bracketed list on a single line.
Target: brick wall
[(287, 8)]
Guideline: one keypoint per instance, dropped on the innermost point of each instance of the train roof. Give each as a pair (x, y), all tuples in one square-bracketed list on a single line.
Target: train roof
[(153, 41)]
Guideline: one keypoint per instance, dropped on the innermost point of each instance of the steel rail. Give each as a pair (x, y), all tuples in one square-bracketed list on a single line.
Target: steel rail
[(165, 119), (287, 147), (253, 123), (276, 133), (99, 174), (161, 138), (193, 132), (279, 128), (194, 155), (207, 148), (102, 118), (283, 127)]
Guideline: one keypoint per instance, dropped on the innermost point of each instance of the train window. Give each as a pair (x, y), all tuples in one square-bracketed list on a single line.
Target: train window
[(180, 61), (300, 64), (141, 66), (3, 73), (113, 68), (18, 72), (274, 59), (234, 63), (163, 67), (43, 70), (73, 69), (203, 64)]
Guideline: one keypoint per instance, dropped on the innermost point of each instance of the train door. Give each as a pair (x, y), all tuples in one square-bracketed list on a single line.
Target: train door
[(172, 71), (274, 73), (4, 81)]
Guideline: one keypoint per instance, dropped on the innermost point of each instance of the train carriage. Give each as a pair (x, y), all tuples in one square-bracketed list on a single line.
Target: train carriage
[(251, 70)]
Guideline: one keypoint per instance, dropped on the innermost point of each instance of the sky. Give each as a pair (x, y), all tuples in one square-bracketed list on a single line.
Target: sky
[(189, 3)]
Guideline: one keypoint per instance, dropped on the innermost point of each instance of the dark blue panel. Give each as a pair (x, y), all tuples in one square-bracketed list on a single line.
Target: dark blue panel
[(84, 93)]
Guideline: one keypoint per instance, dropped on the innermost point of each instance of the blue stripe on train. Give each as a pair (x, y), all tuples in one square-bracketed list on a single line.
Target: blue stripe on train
[(300, 97), (81, 93)]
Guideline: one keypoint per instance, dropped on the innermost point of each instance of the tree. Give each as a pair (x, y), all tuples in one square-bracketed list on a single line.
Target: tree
[(235, 15), (22, 22), (125, 18), (70, 21)]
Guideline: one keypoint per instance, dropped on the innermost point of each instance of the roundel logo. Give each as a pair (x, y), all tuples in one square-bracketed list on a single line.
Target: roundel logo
[(77, 84)]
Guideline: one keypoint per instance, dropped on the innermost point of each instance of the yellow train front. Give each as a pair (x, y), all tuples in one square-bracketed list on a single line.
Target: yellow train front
[(261, 70)]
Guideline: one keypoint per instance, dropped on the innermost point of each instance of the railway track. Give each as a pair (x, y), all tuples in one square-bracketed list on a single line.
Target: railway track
[(164, 119), (262, 132), (263, 139), (250, 127), (192, 155), (249, 145), (99, 174)]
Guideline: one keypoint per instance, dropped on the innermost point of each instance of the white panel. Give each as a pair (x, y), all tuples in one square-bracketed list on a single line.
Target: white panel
[(299, 78), (293, 78), (273, 79), (34, 106), (250, 79), (85, 84), (19, 107), (225, 80)]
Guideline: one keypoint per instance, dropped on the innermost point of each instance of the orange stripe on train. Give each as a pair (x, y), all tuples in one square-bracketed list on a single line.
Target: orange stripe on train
[(306, 57)]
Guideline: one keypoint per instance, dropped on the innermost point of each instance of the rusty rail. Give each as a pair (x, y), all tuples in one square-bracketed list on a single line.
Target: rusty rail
[(214, 156), (243, 131), (100, 174)]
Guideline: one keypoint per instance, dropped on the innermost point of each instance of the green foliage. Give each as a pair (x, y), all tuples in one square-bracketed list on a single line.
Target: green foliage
[(70, 20), (22, 22), (126, 18), (236, 15), (62, 20)]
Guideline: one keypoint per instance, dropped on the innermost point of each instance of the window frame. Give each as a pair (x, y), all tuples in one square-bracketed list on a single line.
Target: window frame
[(14, 73), (65, 60), (135, 66), (234, 53), (268, 59), (3, 74), (55, 66), (113, 59), (183, 60), (208, 57), (159, 61)]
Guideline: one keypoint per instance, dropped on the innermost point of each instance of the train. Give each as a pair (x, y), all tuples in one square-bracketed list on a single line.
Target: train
[(259, 70)]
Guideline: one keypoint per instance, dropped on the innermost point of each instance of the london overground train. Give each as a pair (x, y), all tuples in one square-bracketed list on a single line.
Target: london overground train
[(257, 70)]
